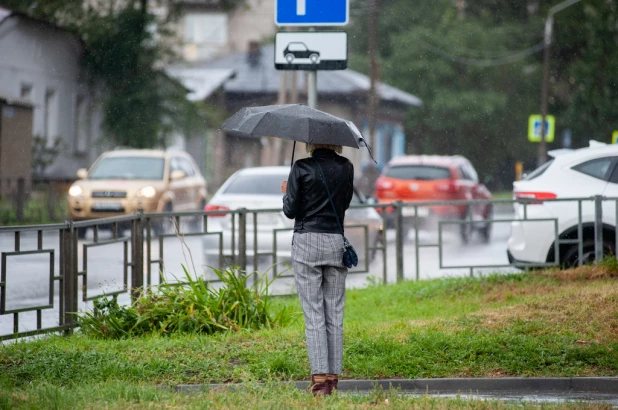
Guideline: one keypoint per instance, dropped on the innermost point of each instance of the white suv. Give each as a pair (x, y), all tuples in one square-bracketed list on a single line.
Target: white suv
[(581, 173)]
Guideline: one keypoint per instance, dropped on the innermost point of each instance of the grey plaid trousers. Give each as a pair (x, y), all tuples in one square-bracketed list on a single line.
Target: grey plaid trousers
[(320, 282)]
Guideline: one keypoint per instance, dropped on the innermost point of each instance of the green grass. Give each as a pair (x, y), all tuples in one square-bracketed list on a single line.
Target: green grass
[(553, 323), (272, 395), (502, 195)]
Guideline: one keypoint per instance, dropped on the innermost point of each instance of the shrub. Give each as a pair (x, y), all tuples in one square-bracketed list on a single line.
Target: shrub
[(189, 307)]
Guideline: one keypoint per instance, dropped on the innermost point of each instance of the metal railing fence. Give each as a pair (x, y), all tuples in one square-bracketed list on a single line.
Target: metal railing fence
[(143, 250)]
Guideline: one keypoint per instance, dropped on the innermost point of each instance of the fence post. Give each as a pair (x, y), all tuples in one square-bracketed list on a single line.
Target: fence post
[(51, 200), (598, 228), (68, 267), (21, 198), (137, 256), (242, 240), (398, 240)]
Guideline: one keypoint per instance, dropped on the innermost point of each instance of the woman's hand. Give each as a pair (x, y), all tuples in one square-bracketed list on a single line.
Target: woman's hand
[(284, 187)]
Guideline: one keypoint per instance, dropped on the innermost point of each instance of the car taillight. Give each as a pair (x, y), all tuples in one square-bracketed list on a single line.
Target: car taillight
[(541, 196), (447, 187), (210, 208), (384, 185)]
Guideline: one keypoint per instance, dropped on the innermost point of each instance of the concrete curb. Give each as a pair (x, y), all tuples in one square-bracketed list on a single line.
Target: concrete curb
[(532, 385)]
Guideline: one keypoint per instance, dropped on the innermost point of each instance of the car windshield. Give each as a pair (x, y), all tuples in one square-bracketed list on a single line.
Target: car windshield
[(418, 172), (128, 168), (256, 185)]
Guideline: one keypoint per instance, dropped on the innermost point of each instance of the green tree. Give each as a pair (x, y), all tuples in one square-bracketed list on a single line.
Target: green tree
[(479, 74)]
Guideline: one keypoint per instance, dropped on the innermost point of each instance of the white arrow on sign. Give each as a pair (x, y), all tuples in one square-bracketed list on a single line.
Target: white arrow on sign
[(301, 7)]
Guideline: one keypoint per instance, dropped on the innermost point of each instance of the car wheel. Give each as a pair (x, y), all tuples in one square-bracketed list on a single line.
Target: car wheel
[(163, 226), (196, 223), (465, 229), (314, 58), (373, 252), (571, 256), (81, 233), (485, 231), (289, 57)]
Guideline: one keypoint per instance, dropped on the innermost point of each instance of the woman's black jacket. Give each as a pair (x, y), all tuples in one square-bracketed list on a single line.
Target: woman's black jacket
[(306, 199)]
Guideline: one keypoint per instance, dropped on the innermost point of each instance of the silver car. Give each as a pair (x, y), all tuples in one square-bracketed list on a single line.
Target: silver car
[(258, 190)]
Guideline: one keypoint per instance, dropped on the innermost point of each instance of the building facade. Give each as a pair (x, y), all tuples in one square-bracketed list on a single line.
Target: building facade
[(40, 68)]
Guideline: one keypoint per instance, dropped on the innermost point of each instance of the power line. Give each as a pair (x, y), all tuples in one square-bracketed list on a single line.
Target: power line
[(477, 62), (513, 58)]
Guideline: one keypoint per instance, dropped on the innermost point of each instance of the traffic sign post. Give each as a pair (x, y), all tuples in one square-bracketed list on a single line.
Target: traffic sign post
[(535, 126), (297, 55), (312, 12)]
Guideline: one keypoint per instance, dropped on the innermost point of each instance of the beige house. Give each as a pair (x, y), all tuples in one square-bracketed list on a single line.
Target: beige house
[(208, 31)]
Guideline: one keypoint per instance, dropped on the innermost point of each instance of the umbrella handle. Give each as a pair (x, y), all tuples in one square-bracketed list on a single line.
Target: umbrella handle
[(293, 151)]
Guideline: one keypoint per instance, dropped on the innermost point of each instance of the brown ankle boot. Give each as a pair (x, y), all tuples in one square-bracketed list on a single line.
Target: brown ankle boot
[(319, 385), (331, 381)]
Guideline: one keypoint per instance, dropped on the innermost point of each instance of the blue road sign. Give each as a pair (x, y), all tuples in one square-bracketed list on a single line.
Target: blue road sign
[(312, 12)]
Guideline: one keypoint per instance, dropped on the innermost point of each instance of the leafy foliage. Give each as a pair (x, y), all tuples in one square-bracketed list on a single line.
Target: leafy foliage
[(43, 155), (190, 307), (478, 91)]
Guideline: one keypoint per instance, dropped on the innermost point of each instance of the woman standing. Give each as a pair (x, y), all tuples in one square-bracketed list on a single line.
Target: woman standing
[(317, 252)]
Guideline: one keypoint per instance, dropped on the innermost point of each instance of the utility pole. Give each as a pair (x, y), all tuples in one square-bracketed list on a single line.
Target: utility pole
[(373, 64), (549, 25), (277, 143)]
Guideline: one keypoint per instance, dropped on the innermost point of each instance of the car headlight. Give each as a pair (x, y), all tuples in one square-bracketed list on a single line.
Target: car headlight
[(76, 191), (147, 192)]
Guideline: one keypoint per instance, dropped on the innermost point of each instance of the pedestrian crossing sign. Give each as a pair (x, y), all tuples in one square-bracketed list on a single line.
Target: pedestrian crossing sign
[(615, 137), (534, 128)]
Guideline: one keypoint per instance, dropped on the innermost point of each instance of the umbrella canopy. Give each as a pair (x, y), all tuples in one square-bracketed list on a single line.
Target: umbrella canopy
[(294, 122)]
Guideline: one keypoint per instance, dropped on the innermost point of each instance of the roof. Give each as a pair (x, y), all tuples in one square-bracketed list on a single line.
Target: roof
[(595, 148), (132, 152), (200, 82), (4, 14), (280, 170), (262, 77), (442, 160)]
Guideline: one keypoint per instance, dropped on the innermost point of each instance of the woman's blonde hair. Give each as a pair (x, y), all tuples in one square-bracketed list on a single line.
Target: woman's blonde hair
[(311, 147)]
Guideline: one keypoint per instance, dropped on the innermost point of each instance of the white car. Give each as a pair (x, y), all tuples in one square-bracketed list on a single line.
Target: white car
[(581, 173), (260, 189)]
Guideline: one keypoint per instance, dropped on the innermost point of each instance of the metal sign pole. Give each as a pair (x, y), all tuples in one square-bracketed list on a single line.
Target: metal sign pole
[(312, 89)]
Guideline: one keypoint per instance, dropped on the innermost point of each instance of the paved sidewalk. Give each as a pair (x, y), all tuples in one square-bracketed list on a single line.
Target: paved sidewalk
[(599, 385)]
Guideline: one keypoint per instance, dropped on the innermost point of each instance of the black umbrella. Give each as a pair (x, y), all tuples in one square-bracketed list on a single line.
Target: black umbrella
[(294, 122)]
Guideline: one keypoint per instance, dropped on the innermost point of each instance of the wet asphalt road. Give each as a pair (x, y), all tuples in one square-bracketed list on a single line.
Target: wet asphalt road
[(28, 276)]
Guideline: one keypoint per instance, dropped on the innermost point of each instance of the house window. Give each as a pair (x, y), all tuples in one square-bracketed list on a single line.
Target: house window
[(204, 34), (50, 115), (81, 125), (25, 91)]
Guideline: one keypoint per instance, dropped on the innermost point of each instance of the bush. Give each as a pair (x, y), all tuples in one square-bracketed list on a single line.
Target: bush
[(190, 307)]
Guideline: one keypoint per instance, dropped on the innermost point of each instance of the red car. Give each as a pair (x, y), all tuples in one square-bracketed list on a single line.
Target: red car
[(422, 178)]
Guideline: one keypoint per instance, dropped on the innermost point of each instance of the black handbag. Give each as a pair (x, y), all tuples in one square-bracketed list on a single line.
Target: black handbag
[(350, 258)]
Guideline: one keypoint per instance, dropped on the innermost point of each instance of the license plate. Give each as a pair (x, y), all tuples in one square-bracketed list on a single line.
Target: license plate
[(107, 206), (409, 211)]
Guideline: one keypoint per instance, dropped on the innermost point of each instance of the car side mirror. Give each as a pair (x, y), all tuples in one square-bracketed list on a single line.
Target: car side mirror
[(178, 174), (82, 173)]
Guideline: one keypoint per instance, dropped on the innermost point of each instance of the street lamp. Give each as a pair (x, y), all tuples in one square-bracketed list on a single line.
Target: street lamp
[(549, 25)]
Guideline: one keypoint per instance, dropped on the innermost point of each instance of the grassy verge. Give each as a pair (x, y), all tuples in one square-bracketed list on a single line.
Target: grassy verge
[(502, 195), (116, 395), (553, 323)]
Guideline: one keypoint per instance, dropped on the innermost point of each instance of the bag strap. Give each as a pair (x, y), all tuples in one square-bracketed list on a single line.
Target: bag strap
[(329, 197)]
